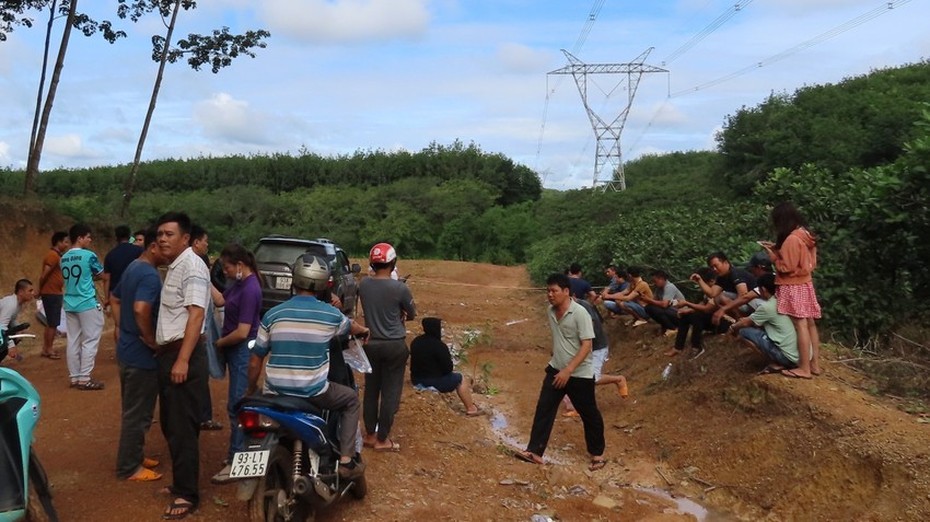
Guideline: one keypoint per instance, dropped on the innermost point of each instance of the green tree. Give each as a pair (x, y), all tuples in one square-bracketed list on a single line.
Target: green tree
[(216, 50), (86, 25)]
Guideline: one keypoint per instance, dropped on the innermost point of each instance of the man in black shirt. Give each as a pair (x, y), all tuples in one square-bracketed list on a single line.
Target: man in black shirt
[(732, 283)]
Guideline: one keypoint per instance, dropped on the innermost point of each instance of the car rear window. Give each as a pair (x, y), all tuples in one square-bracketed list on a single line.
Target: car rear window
[(286, 253)]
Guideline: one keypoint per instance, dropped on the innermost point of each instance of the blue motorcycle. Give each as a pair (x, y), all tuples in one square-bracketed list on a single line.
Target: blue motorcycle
[(289, 469), (24, 488)]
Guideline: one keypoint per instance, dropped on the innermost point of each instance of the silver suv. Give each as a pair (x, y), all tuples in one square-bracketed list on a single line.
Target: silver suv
[(275, 254)]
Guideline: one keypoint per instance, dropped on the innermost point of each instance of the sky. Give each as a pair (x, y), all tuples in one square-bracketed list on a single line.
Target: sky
[(345, 75)]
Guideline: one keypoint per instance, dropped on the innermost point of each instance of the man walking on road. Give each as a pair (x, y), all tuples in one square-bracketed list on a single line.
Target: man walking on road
[(570, 372), (182, 360), (79, 268)]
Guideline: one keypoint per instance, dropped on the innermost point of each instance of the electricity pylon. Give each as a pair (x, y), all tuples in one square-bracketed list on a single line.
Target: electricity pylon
[(608, 156)]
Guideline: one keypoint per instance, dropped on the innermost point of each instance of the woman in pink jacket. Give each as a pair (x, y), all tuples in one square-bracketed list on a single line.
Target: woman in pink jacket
[(794, 255)]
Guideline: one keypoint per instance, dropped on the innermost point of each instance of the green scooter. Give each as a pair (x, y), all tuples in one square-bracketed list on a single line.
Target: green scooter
[(24, 488)]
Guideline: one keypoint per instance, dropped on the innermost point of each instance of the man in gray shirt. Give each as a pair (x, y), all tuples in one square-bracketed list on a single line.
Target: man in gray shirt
[(661, 307), (570, 372), (386, 303)]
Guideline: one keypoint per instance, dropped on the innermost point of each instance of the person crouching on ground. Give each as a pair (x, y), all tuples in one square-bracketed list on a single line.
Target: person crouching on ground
[(431, 365), (774, 335)]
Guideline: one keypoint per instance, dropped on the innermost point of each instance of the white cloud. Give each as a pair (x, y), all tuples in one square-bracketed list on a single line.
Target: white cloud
[(68, 146), (4, 153), (347, 21), (520, 58), (225, 118)]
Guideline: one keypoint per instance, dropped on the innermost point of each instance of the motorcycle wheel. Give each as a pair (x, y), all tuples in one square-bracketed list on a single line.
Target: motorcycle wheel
[(40, 507), (274, 486)]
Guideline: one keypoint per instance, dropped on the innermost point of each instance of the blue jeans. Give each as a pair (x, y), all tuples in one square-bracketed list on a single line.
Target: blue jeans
[(765, 345), (636, 308), (236, 359), (612, 306)]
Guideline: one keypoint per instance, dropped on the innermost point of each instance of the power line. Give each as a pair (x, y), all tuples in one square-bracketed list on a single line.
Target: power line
[(822, 37), (707, 31), (579, 43)]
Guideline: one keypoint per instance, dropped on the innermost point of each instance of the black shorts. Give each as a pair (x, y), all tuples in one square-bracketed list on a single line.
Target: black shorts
[(445, 384), (52, 305)]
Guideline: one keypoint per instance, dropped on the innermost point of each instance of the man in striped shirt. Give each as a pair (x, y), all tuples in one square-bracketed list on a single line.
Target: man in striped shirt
[(297, 334)]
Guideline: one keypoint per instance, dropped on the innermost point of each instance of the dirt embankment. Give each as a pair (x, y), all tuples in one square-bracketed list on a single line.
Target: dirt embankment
[(739, 446)]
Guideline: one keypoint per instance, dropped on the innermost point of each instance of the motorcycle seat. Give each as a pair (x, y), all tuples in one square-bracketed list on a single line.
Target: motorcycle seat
[(281, 402)]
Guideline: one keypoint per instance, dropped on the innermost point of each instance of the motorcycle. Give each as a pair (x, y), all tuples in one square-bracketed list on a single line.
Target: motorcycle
[(24, 487), (289, 468)]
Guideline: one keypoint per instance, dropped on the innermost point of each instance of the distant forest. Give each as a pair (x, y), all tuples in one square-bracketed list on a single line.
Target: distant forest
[(854, 156)]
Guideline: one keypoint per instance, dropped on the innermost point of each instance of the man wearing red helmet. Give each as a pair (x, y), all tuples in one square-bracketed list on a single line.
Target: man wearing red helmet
[(387, 303)]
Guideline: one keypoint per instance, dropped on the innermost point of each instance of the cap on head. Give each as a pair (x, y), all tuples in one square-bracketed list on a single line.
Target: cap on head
[(760, 259), (311, 273), (382, 253)]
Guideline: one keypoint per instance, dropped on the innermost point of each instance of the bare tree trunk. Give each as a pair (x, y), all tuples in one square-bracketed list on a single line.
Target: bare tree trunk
[(134, 170), (48, 40), (32, 167)]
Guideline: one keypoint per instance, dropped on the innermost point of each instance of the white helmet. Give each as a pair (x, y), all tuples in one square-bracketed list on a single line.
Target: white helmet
[(311, 273)]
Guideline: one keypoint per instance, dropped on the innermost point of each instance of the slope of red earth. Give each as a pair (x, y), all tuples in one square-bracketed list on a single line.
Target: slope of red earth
[(713, 442)]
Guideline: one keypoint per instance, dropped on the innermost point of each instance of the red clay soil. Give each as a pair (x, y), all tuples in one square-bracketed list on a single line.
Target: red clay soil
[(727, 444)]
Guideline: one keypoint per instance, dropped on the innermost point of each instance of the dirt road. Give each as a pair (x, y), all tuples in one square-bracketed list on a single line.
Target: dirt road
[(729, 444)]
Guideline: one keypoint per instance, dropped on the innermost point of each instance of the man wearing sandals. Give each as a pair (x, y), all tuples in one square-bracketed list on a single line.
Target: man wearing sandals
[(570, 372), (51, 288), (182, 359), (134, 301), (79, 268)]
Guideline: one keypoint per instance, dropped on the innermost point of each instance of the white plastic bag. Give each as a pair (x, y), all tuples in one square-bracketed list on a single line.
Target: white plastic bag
[(355, 356)]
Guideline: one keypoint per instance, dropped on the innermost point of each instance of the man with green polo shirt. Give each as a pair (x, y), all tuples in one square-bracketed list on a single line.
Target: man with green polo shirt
[(79, 268), (769, 332), (570, 372), (297, 335)]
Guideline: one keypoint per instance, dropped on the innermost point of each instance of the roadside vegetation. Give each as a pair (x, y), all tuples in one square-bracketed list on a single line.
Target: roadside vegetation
[(853, 156)]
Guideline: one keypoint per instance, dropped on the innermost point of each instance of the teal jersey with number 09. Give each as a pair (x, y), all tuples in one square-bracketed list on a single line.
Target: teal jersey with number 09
[(78, 268)]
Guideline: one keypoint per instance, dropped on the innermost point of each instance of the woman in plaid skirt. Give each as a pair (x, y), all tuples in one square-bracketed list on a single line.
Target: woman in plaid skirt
[(794, 255)]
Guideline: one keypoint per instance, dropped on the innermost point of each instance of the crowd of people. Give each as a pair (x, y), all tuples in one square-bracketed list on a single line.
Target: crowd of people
[(771, 307), (170, 339)]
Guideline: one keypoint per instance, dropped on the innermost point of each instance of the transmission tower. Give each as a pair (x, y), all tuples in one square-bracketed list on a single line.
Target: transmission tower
[(608, 161)]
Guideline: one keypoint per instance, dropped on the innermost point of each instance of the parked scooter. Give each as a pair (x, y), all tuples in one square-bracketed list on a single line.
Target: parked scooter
[(24, 489), (290, 465)]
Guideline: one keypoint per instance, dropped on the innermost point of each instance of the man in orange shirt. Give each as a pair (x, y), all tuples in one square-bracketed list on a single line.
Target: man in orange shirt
[(51, 288)]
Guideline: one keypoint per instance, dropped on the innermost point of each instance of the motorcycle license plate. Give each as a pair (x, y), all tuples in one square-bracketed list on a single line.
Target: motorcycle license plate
[(247, 464), (282, 283)]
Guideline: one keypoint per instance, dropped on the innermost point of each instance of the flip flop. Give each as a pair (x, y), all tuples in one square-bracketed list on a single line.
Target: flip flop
[(53, 355), (477, 413), (149, 463), (186, 506), (527, 456), (393, 448), (144, 475), (570, 413), (790, 373), (597, 464)]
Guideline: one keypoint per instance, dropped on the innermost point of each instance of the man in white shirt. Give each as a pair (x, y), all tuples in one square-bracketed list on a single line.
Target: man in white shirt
[(182, 360), (11, 305)]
